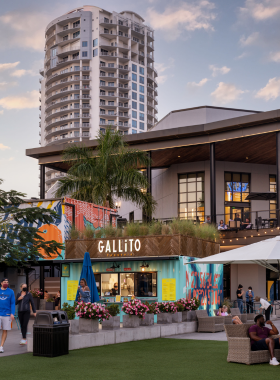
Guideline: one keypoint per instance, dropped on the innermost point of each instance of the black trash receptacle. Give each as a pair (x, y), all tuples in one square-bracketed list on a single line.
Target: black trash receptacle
[(50, 333)]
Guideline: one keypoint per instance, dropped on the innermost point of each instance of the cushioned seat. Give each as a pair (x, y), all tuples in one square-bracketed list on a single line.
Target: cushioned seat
[(209, 324)]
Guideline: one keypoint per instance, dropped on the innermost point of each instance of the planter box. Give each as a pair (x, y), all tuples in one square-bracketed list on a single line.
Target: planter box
[(148, 320), (111, 324), (88, 325), (189, 316), (36, 301), (177, 317), (131, 321), (50, 305), (164, 318), (74, 326)]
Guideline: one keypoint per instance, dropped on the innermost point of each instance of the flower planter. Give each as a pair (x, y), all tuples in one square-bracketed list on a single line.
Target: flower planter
[(189, 315), (74, 326), (177, 317), (131, 321), (148, 320), (50, 305), (88, 326), (36, 301), (113, 323), (164, 318)]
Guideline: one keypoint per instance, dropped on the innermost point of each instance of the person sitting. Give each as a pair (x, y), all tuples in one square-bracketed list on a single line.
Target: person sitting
[(208, 219), (261, 338), (84, 291), (238, 219), (222, 225), (247, 225), (223, 311)]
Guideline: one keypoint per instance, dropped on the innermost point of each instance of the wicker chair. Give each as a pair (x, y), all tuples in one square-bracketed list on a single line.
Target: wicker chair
[(209, 324), (228, 318), (239, 346), (236, 312)]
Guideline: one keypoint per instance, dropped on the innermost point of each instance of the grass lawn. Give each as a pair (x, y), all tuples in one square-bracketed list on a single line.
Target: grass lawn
[(147, 359)]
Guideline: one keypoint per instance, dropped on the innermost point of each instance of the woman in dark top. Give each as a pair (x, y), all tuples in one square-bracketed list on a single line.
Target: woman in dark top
[(239, 294), (57, 299), (23, 300)]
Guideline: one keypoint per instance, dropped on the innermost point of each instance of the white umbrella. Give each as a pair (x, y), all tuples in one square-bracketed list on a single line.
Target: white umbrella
[(264, 253)]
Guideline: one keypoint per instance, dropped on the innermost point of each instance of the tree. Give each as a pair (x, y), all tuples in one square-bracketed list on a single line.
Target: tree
[(112, 173), (20, 239)]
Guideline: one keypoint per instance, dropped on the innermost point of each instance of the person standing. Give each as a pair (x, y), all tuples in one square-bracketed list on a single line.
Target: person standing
[(24, 299), (84, 291), (7, 310), (239, 294), (250, 300), (266, 306)]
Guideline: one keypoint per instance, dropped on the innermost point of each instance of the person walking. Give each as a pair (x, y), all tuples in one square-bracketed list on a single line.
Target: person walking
[(84, 291), (266, 306), (239, 294), (24, 299), (7, 310), (250, 300)]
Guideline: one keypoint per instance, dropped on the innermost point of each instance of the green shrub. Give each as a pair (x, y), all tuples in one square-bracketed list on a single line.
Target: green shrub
[(132, 229), (207, 231), (175, 226), (180, 307), (74, 233), (99, 233), (88, 232), (186, 227), (110, 231), (113, 310), (143, 229), (155, 228), (119, 232), (70, 310)]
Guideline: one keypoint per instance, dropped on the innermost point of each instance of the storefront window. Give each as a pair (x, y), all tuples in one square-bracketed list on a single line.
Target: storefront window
[(127, 284), (237, 187), (109, 284), (191, 196), (272, 204)]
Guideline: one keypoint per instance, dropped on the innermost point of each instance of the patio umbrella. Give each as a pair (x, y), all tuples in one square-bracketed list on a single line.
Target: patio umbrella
[(261, 196), (264, 253), (87, 274)]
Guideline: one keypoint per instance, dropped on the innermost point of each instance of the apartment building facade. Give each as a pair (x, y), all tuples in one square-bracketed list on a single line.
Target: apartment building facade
[(98, 73)]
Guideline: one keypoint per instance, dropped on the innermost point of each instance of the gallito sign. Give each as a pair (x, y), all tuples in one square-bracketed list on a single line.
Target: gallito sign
[(119, 246)]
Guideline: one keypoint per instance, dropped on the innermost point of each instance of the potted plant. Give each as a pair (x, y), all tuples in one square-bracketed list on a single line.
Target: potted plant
[(89, 316), (36, 294), (50, 304), (166, 309), (113, 323), (148, 320), (190, 305), (134, 310), (71, 313), (177, 317)]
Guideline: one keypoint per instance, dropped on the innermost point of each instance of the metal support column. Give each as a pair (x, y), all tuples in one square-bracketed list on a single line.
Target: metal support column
[(212, 183), (278, 175), (148, 218), (42, 181), (42, 280)]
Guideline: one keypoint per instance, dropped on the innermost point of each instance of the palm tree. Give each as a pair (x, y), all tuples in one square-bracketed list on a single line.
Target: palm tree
[(110, 172)]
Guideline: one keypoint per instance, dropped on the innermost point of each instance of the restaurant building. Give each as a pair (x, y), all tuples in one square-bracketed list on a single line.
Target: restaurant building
[(207, 161)]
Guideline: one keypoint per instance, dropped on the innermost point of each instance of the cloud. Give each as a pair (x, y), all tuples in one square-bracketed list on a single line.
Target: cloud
[(274, 57), (219, 70), (250, 40), (6, 85), (4, 147), (28, 100), (270, 91), (161, 68), (260, 10), (20, 73), (195, 86), (188, 16), (8, 66), (1, 112), (226, 93), (241, 56)]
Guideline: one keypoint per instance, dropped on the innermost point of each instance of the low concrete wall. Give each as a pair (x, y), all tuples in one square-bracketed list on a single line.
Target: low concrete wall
[(123, 335)]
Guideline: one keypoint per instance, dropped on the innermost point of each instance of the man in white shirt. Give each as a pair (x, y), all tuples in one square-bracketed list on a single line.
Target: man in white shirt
[(264, 305)]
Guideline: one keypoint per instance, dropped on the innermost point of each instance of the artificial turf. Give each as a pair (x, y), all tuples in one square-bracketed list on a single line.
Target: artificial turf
[(146, 359)]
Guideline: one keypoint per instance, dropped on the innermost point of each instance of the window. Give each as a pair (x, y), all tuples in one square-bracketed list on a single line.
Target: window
[(76, 133), (134, 105), (102, 130), (141, 89), (141, 70), (76, 68), (111, 65), (102, 83), (133, 131), (134, 123), (134, 77), (141, 79), (95, 42), (134, 114), (84, 44), (76, 114), (76, 96), (95, 53), (76, 24), (142, 126), (134, 68), (141, 107), (111, 103), (141, 116), (141, 98), (76, 55), (111, 93), (272, 188), (134, 95), (237, 187), (53, 52), (76, 35), (111, 84), (109, 281), (134, 87), (84, 54), (76, 124), (111, 112), (191, 196)]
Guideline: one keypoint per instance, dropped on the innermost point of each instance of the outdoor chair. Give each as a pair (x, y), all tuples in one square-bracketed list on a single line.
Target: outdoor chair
[(209, 324), (239, 346), (236, 312), (228, 318)]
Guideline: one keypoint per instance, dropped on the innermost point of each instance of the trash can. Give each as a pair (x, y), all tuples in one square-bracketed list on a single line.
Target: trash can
[(51, 333)]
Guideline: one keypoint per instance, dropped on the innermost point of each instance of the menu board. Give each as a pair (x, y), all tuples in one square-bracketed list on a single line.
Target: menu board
[(169, 289), (72, 287)]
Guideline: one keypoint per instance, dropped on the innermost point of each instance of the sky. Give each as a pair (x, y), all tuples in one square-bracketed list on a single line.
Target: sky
[(207, 52)]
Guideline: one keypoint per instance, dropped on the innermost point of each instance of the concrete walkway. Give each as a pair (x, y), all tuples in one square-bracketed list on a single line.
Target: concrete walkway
[(12, 346)]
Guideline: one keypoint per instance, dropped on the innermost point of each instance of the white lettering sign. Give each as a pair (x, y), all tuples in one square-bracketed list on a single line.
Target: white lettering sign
[(117, 246)]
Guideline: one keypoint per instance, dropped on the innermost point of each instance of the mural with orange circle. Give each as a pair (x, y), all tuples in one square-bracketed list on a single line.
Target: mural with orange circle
[(50, 232)]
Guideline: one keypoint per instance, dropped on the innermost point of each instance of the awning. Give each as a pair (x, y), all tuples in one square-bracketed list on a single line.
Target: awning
[(261, 196)]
